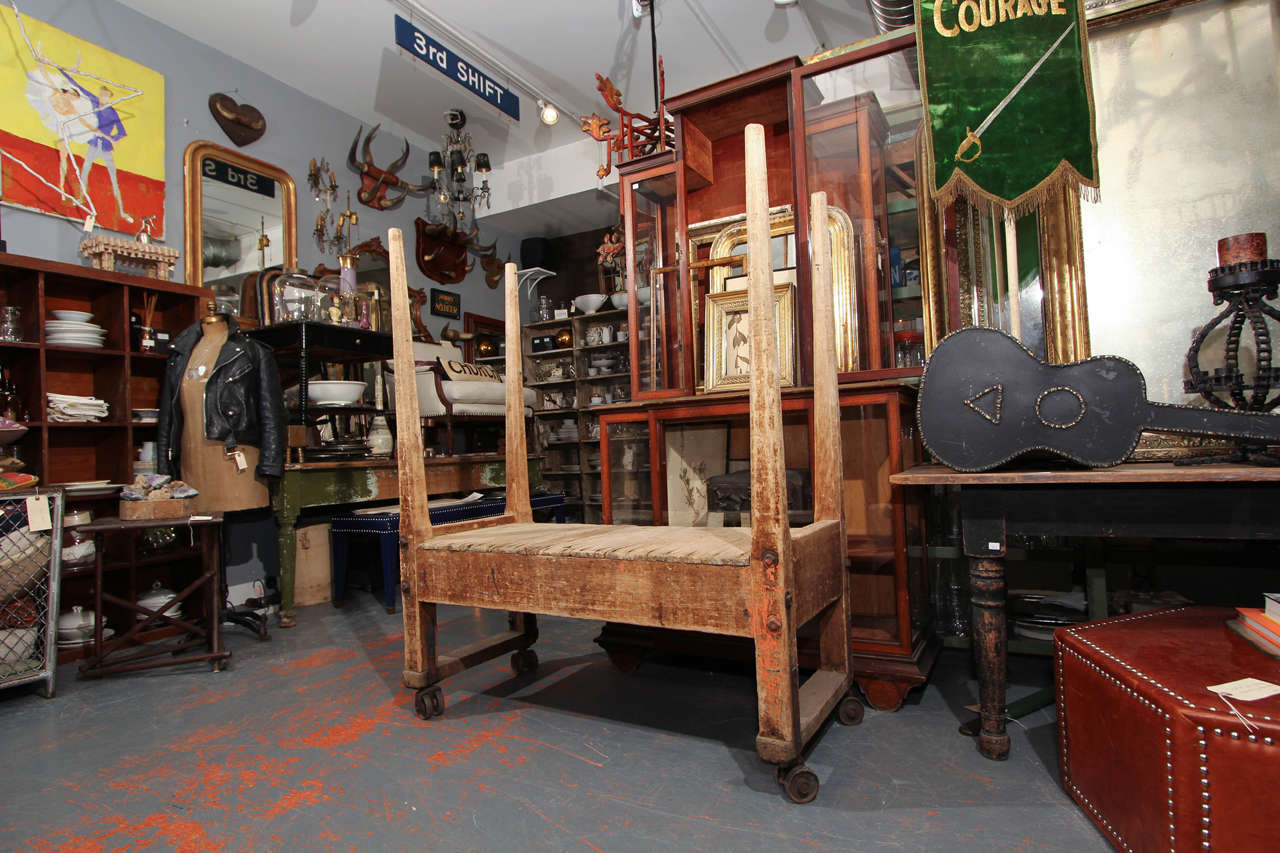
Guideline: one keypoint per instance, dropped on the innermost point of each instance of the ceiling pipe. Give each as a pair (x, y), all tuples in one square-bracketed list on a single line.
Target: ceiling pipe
[(892, 14)]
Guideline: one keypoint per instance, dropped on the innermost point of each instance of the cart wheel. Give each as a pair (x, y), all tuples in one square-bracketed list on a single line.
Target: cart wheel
[(524, 661), (428, 702), (850, 710), (800, 783)]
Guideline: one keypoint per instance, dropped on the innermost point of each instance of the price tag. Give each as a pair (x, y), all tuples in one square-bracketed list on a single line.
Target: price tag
[(1247, 689), (90, 221), (241, 464), (38, 513)]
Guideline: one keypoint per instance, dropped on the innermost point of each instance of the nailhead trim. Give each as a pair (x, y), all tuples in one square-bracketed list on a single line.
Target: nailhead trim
[(1078, 632), (1062, 651)]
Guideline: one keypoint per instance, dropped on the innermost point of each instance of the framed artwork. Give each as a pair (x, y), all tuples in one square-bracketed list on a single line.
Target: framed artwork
[(82, 130), (727, 237), (728, 356)]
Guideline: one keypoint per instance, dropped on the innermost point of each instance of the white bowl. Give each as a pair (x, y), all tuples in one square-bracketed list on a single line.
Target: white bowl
[(589, 303), (619, 299), (643, 294), (73, 316), (335, 392)]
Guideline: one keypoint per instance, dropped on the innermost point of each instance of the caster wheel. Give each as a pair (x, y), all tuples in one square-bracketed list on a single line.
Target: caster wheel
[(800, 783), (524, 662), (850, 710), (428, 702)]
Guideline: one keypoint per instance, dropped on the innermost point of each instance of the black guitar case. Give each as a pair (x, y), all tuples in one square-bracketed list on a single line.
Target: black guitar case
[(985, 399)]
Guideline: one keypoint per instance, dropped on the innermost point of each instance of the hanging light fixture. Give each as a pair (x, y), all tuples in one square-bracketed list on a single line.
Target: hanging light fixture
[(456, 195), (547, 112)]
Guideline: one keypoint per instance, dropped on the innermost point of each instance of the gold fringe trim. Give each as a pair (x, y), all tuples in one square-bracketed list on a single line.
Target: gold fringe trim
[(1064, 176)]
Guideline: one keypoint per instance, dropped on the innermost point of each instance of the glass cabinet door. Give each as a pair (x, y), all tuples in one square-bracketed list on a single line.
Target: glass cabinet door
[(860, 123), (660, 358), (627, 480)]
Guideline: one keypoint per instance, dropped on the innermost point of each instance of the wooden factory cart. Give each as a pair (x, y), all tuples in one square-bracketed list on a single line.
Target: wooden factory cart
[(763, 582)]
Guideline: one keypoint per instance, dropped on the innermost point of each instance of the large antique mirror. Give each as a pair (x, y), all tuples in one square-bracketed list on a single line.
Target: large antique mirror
[(241, 216)]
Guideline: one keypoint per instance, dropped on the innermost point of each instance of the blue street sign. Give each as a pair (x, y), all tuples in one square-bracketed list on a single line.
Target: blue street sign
[(455, 67)]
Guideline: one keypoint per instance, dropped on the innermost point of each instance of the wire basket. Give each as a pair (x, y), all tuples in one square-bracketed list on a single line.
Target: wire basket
[(29, 573)]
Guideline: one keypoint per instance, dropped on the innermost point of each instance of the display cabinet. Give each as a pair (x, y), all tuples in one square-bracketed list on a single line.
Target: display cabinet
[(847, 125), (577, 365), (658, 307), (661, 460), (128, 379)]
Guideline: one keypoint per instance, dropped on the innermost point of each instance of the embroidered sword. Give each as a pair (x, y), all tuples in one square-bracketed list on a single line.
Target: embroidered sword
[(971, 137)]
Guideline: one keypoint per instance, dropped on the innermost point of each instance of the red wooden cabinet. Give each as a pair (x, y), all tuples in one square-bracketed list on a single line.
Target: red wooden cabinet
[(847, 126)]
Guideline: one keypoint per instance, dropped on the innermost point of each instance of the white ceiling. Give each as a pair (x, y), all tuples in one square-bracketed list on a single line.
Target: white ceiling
[(343, 52)]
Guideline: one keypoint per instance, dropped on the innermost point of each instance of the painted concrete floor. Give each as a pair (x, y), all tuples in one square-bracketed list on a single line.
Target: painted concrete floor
[(309, 742)]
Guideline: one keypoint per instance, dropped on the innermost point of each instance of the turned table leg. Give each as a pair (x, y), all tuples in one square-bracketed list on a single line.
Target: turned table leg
[(983, 528), (990, 650)]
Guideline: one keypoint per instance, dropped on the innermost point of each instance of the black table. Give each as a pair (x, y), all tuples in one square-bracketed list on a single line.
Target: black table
[(1156, 500)]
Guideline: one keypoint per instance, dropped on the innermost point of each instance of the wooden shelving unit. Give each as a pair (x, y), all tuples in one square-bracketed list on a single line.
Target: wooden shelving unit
[(126, 379), (574, 463)]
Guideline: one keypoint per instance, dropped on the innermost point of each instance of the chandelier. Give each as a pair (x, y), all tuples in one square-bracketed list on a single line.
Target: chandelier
[(455, 171)]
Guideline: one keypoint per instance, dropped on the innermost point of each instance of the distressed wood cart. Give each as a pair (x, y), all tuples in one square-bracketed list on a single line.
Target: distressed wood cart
[(762, 582)]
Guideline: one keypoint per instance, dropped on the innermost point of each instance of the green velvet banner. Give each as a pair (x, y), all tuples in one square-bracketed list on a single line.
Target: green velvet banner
[(1008, 97)]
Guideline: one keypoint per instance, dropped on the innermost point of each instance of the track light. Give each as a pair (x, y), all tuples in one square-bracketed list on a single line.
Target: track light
[(784, 3), (548, 112)]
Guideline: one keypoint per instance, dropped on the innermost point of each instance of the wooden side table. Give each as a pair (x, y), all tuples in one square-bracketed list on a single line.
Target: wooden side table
[(202, 640), (1157, 500)]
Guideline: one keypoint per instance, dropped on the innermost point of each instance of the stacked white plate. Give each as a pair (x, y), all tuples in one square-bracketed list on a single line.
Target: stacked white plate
[(74, 333)]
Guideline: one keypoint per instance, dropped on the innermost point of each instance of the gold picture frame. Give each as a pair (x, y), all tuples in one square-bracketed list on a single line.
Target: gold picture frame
[(726, 237), (728, 360)]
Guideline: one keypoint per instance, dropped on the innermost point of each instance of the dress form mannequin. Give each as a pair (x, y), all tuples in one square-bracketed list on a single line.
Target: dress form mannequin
[(225, 483)]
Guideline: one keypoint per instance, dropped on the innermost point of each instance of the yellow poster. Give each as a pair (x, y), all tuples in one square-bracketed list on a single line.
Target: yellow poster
[(81, 128)]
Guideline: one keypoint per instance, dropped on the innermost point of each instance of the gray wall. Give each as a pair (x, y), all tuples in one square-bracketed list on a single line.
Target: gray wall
[(299, 127)]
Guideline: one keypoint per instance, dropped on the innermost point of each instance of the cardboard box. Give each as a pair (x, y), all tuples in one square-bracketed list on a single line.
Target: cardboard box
[(313, 570)]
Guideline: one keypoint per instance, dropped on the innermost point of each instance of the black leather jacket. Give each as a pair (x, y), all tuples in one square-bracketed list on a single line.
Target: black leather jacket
[(242, 401)]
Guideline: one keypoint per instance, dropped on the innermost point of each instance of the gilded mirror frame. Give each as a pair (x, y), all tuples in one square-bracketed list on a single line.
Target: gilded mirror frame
[(193, 197), (726, 234)]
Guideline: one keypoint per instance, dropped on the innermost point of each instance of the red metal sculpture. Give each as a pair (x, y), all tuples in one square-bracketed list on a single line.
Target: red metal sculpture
[(637, 135), (374, 182)]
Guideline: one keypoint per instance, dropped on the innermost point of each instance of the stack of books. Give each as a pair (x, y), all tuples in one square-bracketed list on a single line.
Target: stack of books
[(1261, 626)]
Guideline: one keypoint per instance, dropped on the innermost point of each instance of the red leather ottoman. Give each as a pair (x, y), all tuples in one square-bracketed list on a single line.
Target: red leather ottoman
[(1156, 760)]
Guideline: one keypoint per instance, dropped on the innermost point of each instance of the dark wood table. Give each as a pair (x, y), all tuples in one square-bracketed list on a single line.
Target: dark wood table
[(1157, 500), (125, 652)]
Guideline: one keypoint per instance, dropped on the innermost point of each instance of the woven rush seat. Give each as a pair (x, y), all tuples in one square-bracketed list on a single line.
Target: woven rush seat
[(728, 546)]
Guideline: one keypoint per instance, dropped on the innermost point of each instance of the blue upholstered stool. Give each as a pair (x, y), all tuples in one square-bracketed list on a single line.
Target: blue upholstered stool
[(386, 527)]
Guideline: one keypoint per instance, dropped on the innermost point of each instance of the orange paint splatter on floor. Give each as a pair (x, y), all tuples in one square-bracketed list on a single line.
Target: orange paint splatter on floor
[(311, 793), (319, 659), (350, 731), (182, 836)]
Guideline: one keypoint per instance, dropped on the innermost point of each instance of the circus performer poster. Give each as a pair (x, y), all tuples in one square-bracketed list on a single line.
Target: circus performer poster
[(81, 129)]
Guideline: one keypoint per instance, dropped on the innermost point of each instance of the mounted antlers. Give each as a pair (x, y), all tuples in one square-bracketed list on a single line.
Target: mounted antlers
[(375, 182), (442, 253)]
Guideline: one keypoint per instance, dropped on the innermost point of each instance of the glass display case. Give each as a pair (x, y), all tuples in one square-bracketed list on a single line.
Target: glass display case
[(860, 122), (661, 360), (627, 478)]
